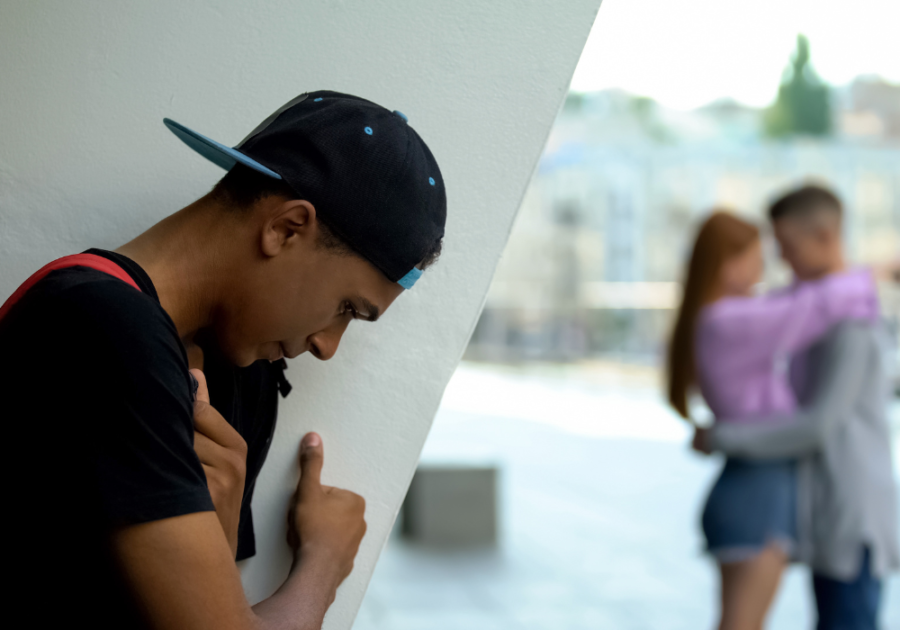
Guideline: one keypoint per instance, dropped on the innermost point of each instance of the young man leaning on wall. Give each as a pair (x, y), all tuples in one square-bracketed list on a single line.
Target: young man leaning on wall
[(132, 500)]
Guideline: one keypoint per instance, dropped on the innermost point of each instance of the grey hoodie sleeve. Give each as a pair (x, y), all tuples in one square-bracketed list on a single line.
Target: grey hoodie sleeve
[(847, 352)]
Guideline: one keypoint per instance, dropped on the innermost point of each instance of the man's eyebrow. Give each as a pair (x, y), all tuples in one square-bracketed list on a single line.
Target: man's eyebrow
[(370, 313)]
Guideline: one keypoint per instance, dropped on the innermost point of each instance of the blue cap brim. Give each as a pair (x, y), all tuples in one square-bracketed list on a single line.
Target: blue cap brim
[(215, 152)]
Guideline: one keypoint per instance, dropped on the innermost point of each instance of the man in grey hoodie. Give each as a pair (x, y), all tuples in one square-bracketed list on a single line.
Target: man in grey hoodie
[(847, 499)]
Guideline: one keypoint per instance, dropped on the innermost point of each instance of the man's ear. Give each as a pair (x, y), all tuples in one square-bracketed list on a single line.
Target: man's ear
[(286, 224)]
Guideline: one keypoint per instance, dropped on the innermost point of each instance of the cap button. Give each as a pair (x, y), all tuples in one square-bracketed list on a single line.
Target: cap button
[(401, 115)]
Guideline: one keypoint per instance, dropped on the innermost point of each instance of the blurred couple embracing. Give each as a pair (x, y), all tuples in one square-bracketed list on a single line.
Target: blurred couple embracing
[(796, 381)]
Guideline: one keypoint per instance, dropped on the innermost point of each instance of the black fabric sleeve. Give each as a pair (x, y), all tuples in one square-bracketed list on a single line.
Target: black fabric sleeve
[(135, 395)]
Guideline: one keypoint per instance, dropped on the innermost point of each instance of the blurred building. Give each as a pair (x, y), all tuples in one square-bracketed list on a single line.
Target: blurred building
[(869, 110), (593, 264)]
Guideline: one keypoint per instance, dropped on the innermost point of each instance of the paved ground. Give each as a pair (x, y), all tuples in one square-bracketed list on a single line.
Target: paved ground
[(600, 501)]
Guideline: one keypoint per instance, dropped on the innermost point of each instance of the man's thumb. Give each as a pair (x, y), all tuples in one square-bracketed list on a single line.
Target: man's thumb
[(202, 393), (312, 457)]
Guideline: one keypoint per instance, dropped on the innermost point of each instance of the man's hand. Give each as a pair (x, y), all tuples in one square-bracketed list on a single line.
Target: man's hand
[(223, 453), (700, 442), (325, 524), (182, 577)]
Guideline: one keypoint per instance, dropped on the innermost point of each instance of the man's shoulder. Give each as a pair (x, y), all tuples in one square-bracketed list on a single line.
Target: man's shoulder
[(88, 305), (853, 348), (855, 333)]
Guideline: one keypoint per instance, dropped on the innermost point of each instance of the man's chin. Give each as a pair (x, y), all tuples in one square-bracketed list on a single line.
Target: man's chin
[(244, 357), (241, 358), (809, 275)]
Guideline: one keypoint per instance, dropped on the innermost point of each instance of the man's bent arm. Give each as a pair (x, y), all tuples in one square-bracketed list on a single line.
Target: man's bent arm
[(184, 577), (182, 573), (839, 382)]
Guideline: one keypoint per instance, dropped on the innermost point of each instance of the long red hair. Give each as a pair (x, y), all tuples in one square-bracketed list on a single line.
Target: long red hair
[(722, 236)]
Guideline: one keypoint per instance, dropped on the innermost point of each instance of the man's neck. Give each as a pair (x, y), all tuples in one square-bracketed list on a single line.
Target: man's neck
[(836, 264), (186, 256)]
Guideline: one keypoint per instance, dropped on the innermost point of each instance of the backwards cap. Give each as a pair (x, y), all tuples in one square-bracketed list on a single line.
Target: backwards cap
[(372, 179)]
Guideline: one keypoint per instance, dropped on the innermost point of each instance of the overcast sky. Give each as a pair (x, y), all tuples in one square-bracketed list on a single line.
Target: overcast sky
[(686, 53)]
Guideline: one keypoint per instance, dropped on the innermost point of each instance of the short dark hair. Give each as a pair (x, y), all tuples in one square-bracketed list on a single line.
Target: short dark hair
[(805, 201), (243, 186)]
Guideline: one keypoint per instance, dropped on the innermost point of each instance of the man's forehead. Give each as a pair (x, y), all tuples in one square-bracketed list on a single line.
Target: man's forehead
[(802, 222)]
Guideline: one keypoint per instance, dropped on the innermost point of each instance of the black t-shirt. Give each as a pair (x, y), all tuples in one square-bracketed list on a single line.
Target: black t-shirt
[(95, 401)]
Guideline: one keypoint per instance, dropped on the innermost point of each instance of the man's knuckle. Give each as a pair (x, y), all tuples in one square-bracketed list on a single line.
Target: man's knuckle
[(237, 467), (234, 459)]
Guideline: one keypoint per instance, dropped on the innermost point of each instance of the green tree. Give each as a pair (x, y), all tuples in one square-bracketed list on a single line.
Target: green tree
[(803, 106), (644, 109)]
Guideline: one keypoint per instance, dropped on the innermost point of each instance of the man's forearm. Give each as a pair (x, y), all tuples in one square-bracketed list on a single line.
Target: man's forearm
[(769, 438), (183, 575), (301, 602), (326, 526)]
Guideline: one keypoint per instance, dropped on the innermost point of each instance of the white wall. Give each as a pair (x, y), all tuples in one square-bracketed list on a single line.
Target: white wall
[(86, 161)]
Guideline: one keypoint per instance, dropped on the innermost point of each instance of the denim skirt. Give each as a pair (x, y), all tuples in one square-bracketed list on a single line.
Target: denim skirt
[(752, 504)]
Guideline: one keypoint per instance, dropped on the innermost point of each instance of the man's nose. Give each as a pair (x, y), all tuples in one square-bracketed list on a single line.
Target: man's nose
[(324, 344)]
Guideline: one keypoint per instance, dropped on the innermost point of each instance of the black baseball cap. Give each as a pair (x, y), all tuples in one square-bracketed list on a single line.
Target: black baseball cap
[(370, 176)]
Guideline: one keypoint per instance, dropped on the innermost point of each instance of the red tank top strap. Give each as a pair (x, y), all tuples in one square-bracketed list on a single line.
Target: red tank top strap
[(91, 261)]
